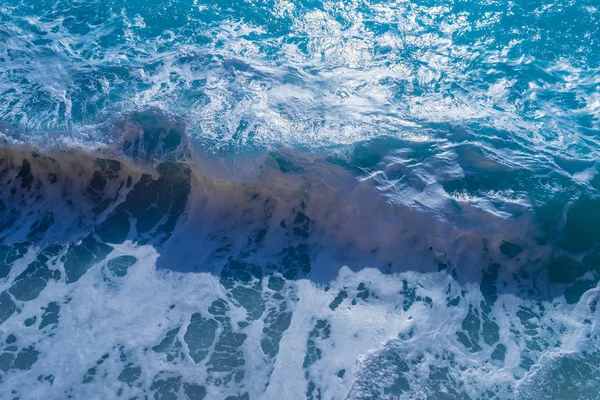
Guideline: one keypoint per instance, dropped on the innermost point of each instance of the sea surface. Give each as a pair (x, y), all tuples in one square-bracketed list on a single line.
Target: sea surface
[(273, 199)]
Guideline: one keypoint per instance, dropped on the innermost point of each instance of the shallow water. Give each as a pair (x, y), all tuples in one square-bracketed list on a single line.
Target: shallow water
[(300, 200)]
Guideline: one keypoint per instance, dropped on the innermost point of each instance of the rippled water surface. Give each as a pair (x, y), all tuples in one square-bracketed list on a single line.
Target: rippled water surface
[(299, 199)]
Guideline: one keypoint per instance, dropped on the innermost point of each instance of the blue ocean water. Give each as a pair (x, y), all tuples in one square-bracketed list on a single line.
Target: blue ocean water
[(299, 199)]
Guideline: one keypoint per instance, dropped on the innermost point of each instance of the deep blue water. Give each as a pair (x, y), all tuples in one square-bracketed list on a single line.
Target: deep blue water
[(299, 199)]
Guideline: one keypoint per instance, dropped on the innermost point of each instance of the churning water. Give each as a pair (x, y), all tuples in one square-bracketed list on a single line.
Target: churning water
[(272, 199)]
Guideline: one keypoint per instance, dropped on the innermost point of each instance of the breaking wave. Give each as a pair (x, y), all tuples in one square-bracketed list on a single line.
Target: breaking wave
[(323, 273)]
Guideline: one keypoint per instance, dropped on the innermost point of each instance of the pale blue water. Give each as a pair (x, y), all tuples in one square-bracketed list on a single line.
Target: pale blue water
[(299, 199)]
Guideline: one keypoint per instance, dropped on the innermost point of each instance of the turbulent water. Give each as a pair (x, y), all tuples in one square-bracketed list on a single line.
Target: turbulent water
[(272, 199)]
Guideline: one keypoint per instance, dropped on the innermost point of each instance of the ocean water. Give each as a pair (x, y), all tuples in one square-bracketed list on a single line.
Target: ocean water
[(272, 199)]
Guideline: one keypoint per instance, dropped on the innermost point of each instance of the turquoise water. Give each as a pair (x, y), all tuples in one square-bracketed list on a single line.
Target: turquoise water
[(299, 200)]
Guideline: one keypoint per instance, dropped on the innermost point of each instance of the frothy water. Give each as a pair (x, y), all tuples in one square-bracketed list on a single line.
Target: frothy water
[(300, 200)]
